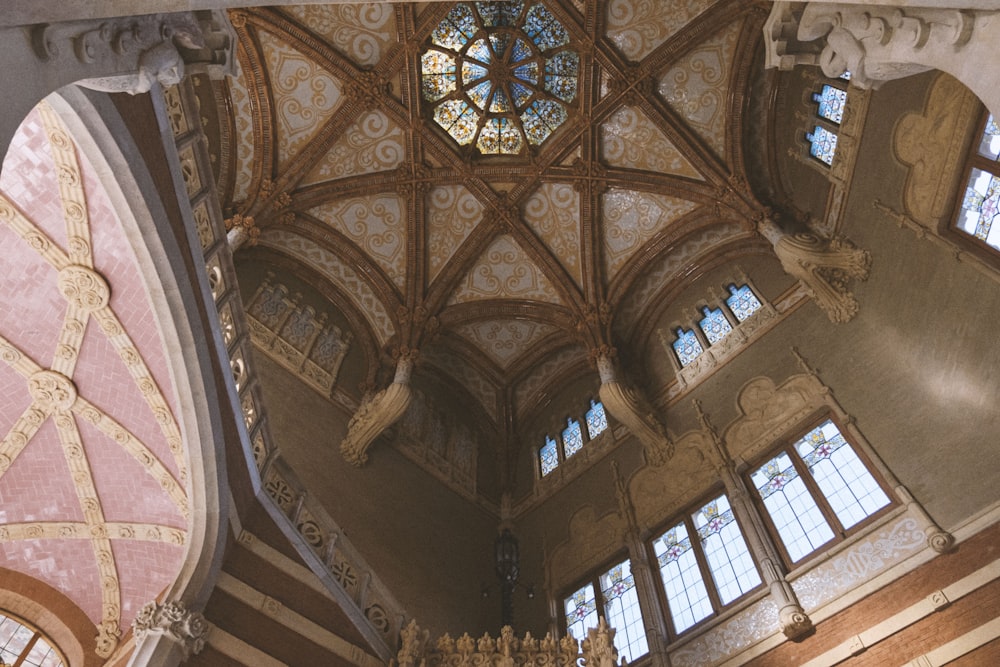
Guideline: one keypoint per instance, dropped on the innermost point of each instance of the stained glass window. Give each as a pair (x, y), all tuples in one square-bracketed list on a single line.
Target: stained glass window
[(548, 456), (733, 570), (597, 420), (822, 144), (831, 102), (687, 597), (687, 347), (581, 612), (572, 438), (21, 645), (714, 325), (500, 75), (621, 608), (980, 204), (846, 487), (742, 302)]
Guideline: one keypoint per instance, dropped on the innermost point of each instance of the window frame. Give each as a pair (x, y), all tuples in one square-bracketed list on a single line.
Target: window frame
[(973, 160), (685, 515), (593, 577), (816, 120), (786, 444), (585, 438), (38, 635)]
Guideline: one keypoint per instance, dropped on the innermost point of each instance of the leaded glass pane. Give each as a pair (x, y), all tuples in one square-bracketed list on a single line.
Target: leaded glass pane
[(528, 73), (480, 51), (989, 145), (621, 607), (566, 63), (437, 62), (473, 72), (581, 612), (714, 325), (822, 144), (496, 14), (563, 87), (479, 93), (687, 347), (521, 51), (544, 29), (831, 103), (597, 420), (500, 103), (499, 43), (687, 596), (742, 302), (846, 483), (457, 28), (548, 456), (436, 86), (15, 638), (521, 95), (499, 136), (796, 516), (572, 438), (846, 76), (980, 207), (729, 561)]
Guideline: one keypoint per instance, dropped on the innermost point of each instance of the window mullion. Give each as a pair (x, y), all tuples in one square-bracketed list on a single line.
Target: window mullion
[(702, 560), (818, 496)]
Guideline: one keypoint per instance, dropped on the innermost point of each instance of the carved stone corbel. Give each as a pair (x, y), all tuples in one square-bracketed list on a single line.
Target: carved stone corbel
[(377, 413), (630, 408), (824, 265), (185, 627)]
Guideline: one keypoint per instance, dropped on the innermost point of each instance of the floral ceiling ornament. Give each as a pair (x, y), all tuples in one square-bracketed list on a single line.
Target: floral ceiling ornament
[(500, 75)]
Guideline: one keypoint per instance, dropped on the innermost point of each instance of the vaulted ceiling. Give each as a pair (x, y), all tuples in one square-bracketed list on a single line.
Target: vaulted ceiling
[(504, 271)]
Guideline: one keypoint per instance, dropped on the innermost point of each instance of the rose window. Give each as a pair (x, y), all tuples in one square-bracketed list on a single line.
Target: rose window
[(500, 75)]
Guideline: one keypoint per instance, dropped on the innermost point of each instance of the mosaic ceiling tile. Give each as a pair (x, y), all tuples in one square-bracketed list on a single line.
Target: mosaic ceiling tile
[(352, 285), (504, 271), (633, 141), (305, 95), (638, 26), (505, 340), (633, 218), (553, 213), (362, 32), (377, 225), (242, 117), (452, 213), (372, 143), (696, 86), (643, 292)]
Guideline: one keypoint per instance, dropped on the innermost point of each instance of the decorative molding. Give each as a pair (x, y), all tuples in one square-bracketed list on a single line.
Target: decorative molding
[(185, 627), (377, 413)]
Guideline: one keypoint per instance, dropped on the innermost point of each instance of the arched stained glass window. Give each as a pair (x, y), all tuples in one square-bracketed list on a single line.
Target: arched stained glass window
[(500, 75), (597, 419), (714, 325), (831, 102), (742, 302), (548, 456), (822, 144), (687, 347), (22, 645), (572, 438)]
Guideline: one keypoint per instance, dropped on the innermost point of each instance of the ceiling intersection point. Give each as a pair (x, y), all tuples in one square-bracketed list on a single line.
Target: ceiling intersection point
[(52, 391), (84, 287)]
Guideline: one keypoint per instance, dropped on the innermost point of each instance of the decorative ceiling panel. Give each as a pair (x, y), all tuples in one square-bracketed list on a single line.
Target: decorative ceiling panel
[(526, 391), (377, 225), (362, 32), (637, 27), (452, 213), (633, 218), (553, 213), (631, 140), (480, 387), (696, 87), (340, 274), (504, 271), (305, 95), (90, 446), (505, 340), (243, 136), (372, 143)]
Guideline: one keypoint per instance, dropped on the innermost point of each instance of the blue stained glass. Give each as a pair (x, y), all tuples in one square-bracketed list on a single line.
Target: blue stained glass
[(480, 51), (499, 13), (457, 28), (981, 206), (572, 438), (597, 419), (534, 126), (774, 475), (989, 145), (846, 76), (527, 73), (500, 102), (479, 93), (566, 63), (500, 42), (687, 347), (742, 302), (831, 103), (714, 325), (520, 52), (822, 144), (437, 62), (548, 456), (473, 72), (563, 87), (544, 29), (458, 118), (521, 94)]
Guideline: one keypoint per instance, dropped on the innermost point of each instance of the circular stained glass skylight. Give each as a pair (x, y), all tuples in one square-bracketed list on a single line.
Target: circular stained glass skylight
[(500, 75)]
